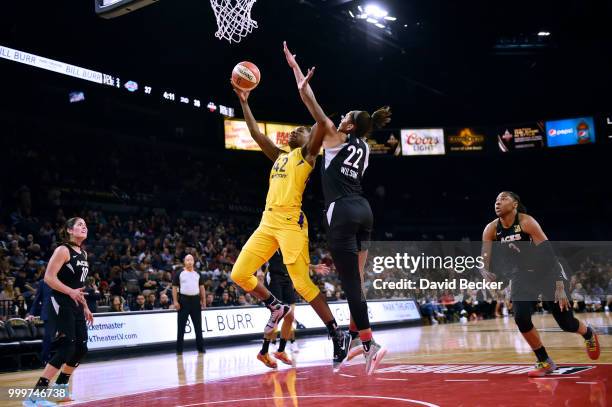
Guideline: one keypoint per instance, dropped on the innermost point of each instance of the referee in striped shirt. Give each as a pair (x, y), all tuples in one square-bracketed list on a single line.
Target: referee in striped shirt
[(190, 302)]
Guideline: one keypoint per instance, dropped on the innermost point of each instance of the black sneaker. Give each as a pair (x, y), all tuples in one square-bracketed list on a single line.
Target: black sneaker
[(342, 342), (277, 312)]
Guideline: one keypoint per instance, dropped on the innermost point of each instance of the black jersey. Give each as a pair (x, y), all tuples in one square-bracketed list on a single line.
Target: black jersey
[(74, 272), (343, 168), (516, 248), (512, 234)]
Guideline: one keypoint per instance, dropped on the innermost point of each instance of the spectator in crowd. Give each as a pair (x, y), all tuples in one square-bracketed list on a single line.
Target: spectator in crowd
[(579, 297), (164, 302), (118, 304), (242, 300), (224, 301), (151, 302), (139, 304), (9, 292), (210, 300), (221, 289), (92, 295), (146, 283)]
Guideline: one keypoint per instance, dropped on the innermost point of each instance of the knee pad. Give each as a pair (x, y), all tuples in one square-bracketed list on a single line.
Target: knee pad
[(524, 323), (565, 319), (79, 353), (522, 315), (65, 349)]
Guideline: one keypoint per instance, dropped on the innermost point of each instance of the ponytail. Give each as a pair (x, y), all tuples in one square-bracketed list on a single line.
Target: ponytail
[(64, 235), (381, 117), (364, 123)]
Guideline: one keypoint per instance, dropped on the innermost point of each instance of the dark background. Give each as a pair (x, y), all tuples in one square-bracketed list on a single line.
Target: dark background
[(471, 63)]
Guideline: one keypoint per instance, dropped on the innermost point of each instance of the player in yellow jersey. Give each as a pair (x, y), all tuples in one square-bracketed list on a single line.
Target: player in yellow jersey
[(283, 225)]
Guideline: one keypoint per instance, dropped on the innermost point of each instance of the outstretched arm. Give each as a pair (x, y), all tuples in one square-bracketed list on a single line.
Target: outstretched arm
[(264, 142), (306, 92)]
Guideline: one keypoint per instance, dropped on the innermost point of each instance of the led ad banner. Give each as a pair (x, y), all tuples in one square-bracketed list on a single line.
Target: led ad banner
[(385, 142), (570, 132), (237, 136), (422, 142), (114, 330), (465, 139), (520, 137)]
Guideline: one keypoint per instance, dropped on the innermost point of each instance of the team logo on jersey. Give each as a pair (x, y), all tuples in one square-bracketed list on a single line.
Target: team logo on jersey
[(82, 263), (517, 229), (511, 238)]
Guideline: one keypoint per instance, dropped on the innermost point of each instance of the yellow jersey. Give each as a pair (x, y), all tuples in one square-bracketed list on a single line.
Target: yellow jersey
[(288, 179)]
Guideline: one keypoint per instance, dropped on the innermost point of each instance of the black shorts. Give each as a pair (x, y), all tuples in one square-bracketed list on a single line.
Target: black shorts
[(349, 222), (67, 319), (281, 286)]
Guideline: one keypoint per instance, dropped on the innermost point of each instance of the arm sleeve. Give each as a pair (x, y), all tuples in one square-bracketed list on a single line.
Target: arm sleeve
[(202, 281), (546, 258), (176, 280)]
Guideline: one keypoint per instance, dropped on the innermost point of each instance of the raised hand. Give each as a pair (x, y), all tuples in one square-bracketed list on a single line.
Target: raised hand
[(243, 95), (304, 82), (290, 57)]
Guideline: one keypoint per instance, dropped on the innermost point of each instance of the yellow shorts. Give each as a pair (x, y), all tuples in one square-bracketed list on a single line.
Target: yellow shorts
[(261, 246)]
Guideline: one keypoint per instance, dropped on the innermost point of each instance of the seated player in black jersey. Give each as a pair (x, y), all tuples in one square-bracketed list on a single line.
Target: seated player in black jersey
[(523, 246), (68, 311)]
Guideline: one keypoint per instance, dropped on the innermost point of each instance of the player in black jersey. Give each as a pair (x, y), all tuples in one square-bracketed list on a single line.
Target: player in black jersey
[(279, 283), (349, 215), (68, 311), (524, 247)]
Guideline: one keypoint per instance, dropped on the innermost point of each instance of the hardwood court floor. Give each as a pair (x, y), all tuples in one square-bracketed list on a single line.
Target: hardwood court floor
[(476, 364)]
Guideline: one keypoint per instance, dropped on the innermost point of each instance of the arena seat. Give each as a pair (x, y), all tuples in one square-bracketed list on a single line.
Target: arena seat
[(9, 348)]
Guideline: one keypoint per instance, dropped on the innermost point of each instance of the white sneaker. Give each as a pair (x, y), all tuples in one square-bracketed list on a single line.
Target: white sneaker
[(63, 391), (355, 349), (373, 357), (293, 347)]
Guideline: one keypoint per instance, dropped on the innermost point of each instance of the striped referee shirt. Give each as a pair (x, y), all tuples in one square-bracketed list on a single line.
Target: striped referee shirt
[(188, 282)]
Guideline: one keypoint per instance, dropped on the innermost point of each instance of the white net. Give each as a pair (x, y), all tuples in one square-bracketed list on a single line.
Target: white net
[(233, 19)]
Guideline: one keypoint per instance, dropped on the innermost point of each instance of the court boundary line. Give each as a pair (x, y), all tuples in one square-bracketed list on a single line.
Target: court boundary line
[(204, 403)]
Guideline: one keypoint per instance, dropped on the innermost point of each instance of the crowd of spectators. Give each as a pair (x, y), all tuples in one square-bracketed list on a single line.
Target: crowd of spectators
[(133, 260)]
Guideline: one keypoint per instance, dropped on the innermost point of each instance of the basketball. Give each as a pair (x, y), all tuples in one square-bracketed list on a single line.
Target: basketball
[(245, 76)]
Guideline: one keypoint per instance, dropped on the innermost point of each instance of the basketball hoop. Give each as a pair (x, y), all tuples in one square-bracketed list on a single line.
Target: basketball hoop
[(233, 19)]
